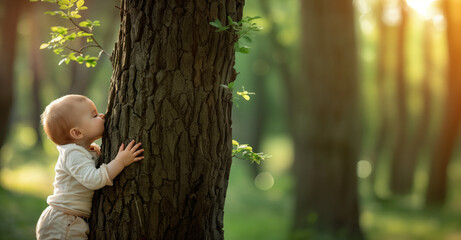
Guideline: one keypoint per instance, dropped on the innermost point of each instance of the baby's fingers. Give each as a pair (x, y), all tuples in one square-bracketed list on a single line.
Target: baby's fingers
[(138, 158), (135, 147), (122, 147), (138, 152), (130, 145)]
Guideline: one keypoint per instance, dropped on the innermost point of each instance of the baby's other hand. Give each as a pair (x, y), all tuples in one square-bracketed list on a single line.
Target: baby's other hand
[(96, 148), (129, 154)]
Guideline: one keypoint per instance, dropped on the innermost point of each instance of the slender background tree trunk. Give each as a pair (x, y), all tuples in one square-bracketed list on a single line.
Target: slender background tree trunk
[(400, 161), (36, 65), (448, 135), (420, 137), (165, 91), (382, 138), (327, 123), (12, 10)]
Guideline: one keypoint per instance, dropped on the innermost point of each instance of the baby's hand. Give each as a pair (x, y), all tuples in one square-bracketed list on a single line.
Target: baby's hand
[(95, 147), (129, 154)]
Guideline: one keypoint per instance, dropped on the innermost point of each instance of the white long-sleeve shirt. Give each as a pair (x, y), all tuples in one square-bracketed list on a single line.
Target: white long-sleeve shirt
[(76, 179)]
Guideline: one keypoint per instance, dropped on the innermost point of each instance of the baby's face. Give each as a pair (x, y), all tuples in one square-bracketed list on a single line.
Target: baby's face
[(91, 123)]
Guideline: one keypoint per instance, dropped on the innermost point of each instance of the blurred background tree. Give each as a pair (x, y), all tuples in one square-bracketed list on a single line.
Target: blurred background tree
[(326, 123), (407, 80)]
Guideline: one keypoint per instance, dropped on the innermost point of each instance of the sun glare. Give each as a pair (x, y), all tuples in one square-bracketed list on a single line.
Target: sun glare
[(425, 8)]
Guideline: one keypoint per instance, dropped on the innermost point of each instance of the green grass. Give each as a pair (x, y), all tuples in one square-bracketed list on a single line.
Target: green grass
[(19, 214), (252, 213)]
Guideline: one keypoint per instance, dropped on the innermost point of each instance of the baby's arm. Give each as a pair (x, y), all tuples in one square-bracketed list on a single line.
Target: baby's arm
[(124, 158)]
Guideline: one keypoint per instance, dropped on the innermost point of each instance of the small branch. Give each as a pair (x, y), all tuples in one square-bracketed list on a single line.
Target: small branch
[(92, 37), (79, 27), (235, 156), (88, 46), (73, 50)]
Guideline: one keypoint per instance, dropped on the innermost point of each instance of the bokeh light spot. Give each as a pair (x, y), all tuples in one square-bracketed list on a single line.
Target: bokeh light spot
[(363, 169), (26, 136), (264, 181)]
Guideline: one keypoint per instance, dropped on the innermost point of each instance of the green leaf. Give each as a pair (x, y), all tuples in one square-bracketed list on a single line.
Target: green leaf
[(222, 29), (63, 2), (244, 49), (231, 22), (79, 59), (235, 143), (62, 60), (248, 39), (253, 18), (57, 51), (74, 14), (84, 34), (59, 30), (84, 24), (44, 45), (90, 63), (216, 23), (71, 36), (52, 13), (244, 94), (82, 8), (80, 3), (71, 56), (65, 7), (57, 39)]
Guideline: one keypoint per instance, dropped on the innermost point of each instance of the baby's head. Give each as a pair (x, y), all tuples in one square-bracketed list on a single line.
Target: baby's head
[(72, 119)]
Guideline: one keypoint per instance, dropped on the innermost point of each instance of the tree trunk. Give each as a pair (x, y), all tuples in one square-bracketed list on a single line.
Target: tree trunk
[(382, 138), (165, 91), (400, 162), (286, 75), (327, 123), (422, 129), (448, 135), (36, 60), (11, 12)]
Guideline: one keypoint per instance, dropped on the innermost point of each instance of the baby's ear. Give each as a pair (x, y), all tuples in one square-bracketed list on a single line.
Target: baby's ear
[(76, 133)]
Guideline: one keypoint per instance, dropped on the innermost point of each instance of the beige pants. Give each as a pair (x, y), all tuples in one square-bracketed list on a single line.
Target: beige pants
[(54, 224)]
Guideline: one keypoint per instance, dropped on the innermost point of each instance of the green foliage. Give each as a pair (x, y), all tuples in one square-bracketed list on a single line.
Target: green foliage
[(61, 37), (245, 152), (242, 29), (245, 94)]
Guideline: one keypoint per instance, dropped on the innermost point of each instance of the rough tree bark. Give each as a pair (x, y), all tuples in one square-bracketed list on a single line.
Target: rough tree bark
[(448, 135), (165, 91), (326, 119)]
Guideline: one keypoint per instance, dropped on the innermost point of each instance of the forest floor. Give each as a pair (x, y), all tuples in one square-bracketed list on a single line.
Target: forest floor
[(253, 213)]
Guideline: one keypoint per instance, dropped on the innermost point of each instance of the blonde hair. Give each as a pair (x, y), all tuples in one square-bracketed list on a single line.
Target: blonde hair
[(58, 118)]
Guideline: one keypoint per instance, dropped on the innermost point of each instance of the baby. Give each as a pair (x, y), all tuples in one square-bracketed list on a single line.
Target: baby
[(73, 123)]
